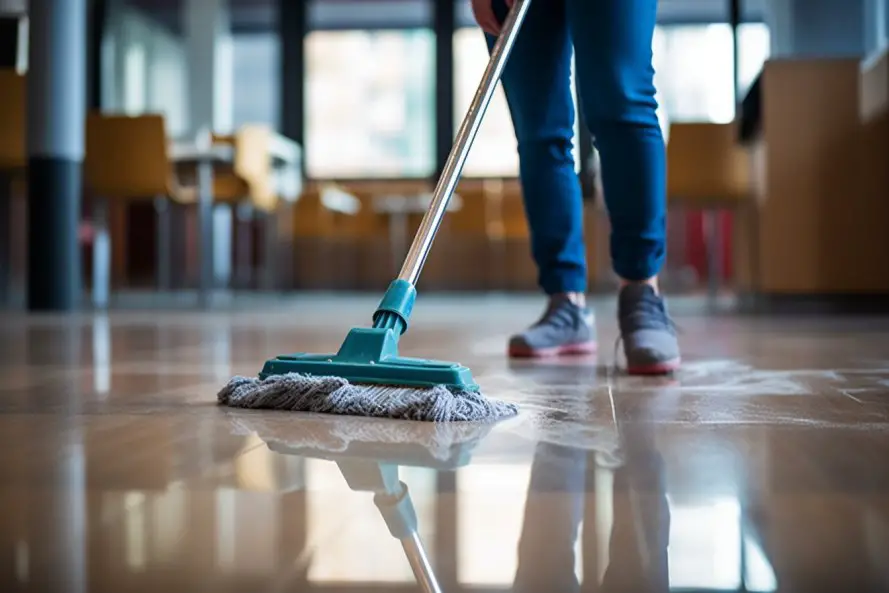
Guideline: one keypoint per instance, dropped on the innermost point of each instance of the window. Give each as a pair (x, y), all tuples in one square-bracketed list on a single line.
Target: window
[(755, 44), (694, 68), (144, 67), (370, 105), (494, 153), (256, 92), (494, 150)]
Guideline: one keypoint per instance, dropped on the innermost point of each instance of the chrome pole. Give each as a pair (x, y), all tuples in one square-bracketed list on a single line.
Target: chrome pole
[(422, 569), (447, 183)]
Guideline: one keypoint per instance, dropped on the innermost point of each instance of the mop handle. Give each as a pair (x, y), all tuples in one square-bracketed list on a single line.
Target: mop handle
[(422, 569), (447, 183)]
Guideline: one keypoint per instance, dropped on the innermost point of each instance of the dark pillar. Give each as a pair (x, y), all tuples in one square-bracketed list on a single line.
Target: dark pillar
[(444, 23), (9, 40), (735, 20), (293, 26), (96, 28), (56, 110), (9, 55)]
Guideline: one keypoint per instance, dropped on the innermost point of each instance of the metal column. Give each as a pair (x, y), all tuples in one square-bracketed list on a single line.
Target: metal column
[(735, 20), (56, 110), (444, 23), (98, 16), (208, 43), (292, 30), (293, 26)]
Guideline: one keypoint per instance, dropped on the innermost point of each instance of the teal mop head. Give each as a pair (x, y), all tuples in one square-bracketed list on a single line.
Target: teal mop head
[(368, 378)]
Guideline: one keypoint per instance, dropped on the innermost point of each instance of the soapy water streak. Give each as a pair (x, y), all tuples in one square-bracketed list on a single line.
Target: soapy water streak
[(556, 408)]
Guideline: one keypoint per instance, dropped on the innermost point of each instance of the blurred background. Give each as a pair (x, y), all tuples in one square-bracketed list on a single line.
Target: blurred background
[(267, 146)]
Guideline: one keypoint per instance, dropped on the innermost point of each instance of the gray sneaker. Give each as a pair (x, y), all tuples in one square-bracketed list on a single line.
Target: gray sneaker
[(648, 335), (564, 329)]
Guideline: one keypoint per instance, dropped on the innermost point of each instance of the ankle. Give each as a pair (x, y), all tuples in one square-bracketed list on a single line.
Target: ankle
[(578, 299), (652, 282)]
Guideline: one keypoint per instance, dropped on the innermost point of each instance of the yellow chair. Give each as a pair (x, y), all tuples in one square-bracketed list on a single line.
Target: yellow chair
[(253, 164), (228, 186), (248, 185), (706, 166), (520, 270), (127, 159), (472, 234), (708, 170), (249, 177), (326, 229), (382, 237)]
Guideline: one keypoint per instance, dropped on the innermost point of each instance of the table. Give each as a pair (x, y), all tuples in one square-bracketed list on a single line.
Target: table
[(203, 155)]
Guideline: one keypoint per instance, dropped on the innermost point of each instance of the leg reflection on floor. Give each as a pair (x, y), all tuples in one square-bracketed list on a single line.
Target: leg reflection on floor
[(761, 466)]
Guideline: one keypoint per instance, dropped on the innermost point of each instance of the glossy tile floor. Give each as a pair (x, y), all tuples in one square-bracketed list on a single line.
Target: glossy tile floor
[(762, 466)]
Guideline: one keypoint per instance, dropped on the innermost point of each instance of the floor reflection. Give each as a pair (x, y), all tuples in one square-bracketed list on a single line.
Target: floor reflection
[(762, 466)]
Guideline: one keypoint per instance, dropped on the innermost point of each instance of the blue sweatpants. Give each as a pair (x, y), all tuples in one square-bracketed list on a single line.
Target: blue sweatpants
[(612, 42)]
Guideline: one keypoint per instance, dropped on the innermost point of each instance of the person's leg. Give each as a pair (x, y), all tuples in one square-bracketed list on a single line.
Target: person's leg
[(537, 82), (552, 518), (612, 39)]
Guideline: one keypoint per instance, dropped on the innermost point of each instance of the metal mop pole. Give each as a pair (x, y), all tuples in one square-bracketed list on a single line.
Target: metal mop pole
[(447, 183), (422, 569)]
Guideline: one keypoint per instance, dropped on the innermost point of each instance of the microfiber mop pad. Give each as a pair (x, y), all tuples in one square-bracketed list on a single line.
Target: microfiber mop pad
[(336, 395)]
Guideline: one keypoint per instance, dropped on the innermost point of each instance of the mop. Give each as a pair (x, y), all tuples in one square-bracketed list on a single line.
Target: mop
[(367, 376)]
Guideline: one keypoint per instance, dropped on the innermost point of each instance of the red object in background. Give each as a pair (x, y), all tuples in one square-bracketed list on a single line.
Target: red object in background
[(85, 232), (696, 244)]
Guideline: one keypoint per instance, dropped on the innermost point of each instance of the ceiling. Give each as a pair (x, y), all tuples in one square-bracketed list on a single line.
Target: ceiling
[(260, 15)]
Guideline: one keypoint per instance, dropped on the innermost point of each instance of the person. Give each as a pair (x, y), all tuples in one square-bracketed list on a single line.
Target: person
[(612, 48)]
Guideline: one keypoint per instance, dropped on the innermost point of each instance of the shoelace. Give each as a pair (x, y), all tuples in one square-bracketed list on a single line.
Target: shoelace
[(648, 313), (558, 315)]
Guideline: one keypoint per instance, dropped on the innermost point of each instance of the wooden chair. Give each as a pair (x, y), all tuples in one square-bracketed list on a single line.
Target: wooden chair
[(325, 220), (474, 234), (706, 165), (13, 159), (249, 178), (519, 266), (370, 240), (708, 170), (248, 186), (127, 159), (378, 234)]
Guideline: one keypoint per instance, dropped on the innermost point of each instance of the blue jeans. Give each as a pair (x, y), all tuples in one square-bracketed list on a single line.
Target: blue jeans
[(612, 41), (562, 491)]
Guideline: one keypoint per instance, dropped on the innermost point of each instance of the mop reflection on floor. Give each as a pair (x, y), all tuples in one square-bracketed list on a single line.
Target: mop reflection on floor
[(369, 453)]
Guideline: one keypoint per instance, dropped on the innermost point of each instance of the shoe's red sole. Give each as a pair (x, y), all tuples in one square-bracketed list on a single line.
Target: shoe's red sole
[(661, 368), (578, 349)]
